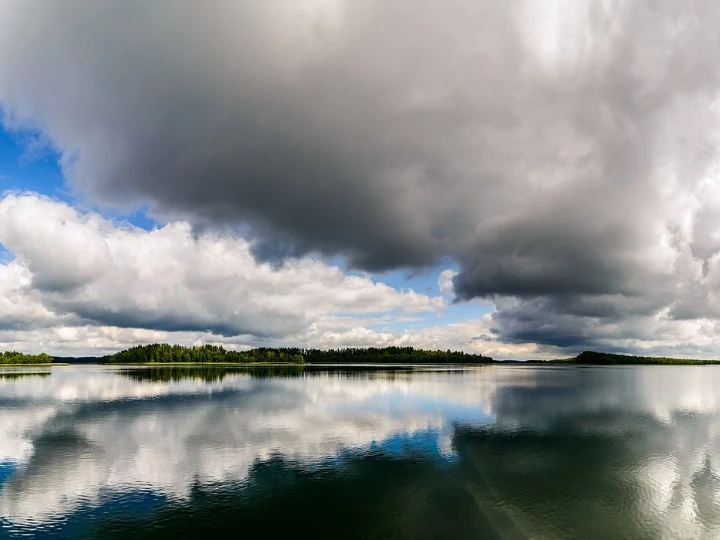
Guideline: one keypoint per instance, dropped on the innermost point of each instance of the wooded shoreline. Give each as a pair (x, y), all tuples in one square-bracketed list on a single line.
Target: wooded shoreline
[(164, 354)]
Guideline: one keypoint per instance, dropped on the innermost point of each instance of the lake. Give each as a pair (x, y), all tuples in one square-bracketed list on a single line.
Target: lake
[(470, 452)]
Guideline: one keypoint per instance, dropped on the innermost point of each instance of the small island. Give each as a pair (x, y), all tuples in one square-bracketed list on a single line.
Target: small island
[(607, 359), (205, 354)]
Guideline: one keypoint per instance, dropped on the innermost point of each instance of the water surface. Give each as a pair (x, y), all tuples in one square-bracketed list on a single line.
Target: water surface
[(487, 452)]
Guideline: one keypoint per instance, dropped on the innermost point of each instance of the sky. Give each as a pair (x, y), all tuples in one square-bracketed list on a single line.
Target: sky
[(519, 179)]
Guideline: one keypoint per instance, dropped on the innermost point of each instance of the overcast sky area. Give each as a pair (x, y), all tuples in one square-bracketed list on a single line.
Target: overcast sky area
[(517, 178)]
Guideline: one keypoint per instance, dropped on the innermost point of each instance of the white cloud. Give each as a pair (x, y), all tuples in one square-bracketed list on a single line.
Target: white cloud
[(81, 274), (79, 282), (20, 307)]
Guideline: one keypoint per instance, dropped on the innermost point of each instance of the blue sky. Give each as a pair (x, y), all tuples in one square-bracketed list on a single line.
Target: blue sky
[(28, 166), (23, 169), (426, 281)]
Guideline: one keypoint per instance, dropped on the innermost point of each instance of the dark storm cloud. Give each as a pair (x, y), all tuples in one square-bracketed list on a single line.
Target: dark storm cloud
[(579, 321), (559, 150)]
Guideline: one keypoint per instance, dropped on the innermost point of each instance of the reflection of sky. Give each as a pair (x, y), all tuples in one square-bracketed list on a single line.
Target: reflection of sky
[(91, 438), (84, 432), (395, 403), (7, 468), (433, 443)]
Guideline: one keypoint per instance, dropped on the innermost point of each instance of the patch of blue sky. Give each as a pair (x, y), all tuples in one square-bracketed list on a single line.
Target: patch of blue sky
[(28, 166), (140, 217), (463, 311), (424, 281), (5, 255), (336, 260)]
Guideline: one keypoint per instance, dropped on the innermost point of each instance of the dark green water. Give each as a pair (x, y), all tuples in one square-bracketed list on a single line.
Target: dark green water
[(490, 452)]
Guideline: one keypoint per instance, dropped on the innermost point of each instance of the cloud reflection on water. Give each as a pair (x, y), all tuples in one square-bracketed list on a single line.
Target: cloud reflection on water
[(642, 443), (80, 432)]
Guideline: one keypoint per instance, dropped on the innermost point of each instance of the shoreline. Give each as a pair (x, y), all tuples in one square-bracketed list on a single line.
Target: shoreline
[(509, 363), (278, 364), (34, 365)]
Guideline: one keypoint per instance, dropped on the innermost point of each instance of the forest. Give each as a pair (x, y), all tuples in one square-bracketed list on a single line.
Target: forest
[(390, 355), (605, 359), (164, 353), (14, 357)]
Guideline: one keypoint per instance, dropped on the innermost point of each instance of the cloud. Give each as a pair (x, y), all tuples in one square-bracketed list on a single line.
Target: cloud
[(445, 282), (562, 154), (83, 269)]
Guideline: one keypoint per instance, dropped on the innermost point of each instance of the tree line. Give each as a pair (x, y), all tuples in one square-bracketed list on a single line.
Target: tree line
[(164, 353), (160, 353), (605, 359), (390, 355), (15, 357)]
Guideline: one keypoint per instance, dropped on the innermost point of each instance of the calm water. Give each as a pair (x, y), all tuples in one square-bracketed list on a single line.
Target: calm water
[(490, 452)]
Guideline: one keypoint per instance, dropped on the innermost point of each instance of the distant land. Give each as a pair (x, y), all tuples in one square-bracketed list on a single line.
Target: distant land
[(211, 354), (163, 353), (604, 359)]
